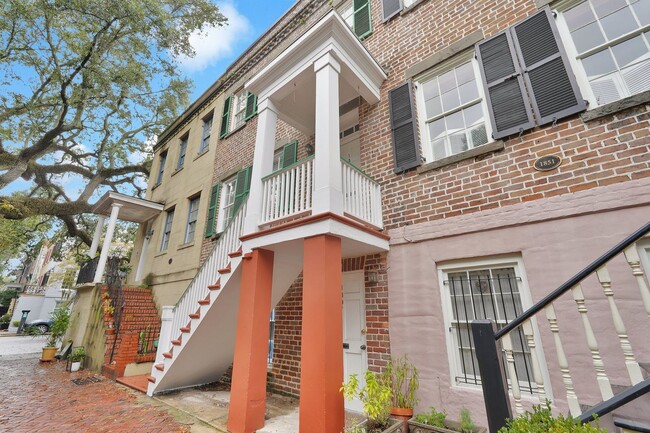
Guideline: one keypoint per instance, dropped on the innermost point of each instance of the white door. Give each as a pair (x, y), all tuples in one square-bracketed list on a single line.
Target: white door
[(355, 358)]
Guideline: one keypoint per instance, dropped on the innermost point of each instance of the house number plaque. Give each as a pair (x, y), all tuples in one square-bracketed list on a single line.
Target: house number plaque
[(549, 162)]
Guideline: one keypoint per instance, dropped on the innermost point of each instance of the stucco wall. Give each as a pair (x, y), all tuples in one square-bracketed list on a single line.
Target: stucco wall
[(552, 248)]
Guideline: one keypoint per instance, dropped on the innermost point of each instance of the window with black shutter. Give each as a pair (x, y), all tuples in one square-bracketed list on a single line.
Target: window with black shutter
[(242, 188), (406, 148), (525, 69)]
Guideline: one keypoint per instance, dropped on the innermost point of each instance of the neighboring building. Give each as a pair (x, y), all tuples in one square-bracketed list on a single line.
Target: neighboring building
[(442, 162)]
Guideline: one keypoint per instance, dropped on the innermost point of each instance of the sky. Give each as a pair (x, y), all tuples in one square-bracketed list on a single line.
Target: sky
[(247, 20)]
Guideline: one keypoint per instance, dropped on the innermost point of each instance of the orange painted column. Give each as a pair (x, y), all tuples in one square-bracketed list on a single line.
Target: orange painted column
[(321, 375), (248, 391)]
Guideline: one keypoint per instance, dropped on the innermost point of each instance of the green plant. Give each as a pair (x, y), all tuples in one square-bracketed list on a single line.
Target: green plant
[(375, 397), (60, 320), (401, 376), (78, 354), (541, 420), (5, 319), (432, 418), (466, 423), (358, 428), (15, 323)]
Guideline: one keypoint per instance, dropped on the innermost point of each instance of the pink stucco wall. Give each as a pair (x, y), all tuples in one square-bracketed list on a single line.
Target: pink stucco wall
[(555, 239)]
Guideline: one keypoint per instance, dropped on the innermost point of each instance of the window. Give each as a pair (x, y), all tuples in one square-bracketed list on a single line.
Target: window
[(161, 167), (233, 193), (452, 110), (205, 137), (357, 15), (610, 41), (192, 216), (285, 156), (271, 337), (167, 229), (390, 8), (487, 291), (181, 152), (237, 109), (212, 210)]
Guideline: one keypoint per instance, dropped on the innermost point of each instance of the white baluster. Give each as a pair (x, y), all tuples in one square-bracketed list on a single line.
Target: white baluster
[(506, 342), (572, 398), (603, 381), (632, 257), (537, 370), (633, 368)]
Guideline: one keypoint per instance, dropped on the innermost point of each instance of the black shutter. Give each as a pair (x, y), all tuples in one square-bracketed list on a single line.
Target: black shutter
[(225, 118), (390, 8), (504, 86), (251, 105), (212, 211), (289, 154), (406, 148), (551, 84), (362, 18)]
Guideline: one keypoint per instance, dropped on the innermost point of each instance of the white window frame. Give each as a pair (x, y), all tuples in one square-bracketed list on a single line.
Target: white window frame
[(162, 161), (643, 248), (226, 201), (166, 235), (576, 64), (516, 262), (446, 66), (192, 218), (238, 109), (346, 10), (182, 151)]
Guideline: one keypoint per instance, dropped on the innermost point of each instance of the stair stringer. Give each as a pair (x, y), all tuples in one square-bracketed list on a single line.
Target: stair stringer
[(207, 351)]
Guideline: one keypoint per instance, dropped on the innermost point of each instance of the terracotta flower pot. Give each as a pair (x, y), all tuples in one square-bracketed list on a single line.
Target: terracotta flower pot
[(403, 414), (48, 354)]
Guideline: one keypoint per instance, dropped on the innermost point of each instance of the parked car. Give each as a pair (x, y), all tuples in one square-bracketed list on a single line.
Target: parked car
[(43, 326)]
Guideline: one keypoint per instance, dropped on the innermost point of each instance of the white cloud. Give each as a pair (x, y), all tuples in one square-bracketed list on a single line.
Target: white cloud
[(217, 43)]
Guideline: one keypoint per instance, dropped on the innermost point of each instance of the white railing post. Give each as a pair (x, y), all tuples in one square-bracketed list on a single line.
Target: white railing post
[(603, 381), (632, 366), (361, 195), (506, 341), (165, 337), (287, 192), (632, 257)]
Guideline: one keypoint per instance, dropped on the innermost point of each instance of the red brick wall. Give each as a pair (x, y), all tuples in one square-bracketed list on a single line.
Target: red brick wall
[(285, 372)]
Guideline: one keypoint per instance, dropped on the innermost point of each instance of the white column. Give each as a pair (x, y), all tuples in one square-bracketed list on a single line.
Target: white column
[(328, 196), (103, 257), (96, 236), (267, 122), (165, 337), (143, 251)]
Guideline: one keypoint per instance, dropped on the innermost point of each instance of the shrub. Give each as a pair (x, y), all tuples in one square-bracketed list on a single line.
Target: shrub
[(466, 423), (402, 378), (432, 418), (375, 397), (541, 420), (5, 319)]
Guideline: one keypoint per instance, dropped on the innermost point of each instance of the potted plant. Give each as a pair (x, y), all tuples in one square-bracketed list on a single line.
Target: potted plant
[(76, 357), (60, 320), (4, 321), (402, 378), (376, 399), (437, 422), (541, 420)]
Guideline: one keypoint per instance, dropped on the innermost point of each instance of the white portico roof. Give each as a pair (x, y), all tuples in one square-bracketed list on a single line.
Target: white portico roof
[(132, 209), (289, 81)]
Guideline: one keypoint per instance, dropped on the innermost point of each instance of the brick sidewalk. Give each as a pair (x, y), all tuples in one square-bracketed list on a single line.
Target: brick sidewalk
[(35, 397)]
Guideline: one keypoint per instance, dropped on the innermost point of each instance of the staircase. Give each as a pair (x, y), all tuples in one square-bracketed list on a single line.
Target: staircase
[(197, 340), (502, 377)]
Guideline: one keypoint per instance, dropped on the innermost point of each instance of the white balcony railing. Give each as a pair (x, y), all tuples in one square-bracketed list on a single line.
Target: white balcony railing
[(288, 192), (361, 195), (207, 274)]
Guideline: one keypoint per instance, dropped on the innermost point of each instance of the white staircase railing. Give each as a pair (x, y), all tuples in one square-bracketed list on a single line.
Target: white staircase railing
[(208, 273), (288, 192), (361, 195)]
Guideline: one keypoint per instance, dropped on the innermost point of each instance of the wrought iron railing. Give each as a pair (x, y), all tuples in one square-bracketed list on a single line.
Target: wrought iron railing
[(148, 340), (87, 271), (487, 341), (116, 294)]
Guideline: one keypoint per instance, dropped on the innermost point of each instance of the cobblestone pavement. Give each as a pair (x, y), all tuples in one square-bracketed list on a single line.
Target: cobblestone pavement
[(38, 397)]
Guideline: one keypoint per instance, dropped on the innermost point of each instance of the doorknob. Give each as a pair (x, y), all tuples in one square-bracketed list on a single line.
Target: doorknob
[(363, 347)]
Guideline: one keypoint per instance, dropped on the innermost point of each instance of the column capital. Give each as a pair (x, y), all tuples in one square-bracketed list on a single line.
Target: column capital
[(266, 104), (117, 205), (327, 60)]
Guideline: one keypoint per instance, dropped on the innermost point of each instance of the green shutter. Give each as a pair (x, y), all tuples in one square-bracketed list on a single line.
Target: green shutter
[(225, 117), (212, 210), (241, 188), (289, 154), (251, 106), (362, 18)]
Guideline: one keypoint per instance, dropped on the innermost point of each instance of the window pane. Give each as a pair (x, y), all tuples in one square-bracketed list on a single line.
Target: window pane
[(430, 89), (465, 73), (458, 142), (606, 7), (579, 16), (478, 135), (642, 10), (606, 90), (450, 100), (455, 122), (618, 23), (588, 37), (439, 150), (473, 115), (468, 92), (433, 107), (631, 51), (437, 129), (637, 77), (447, 81), (599, 64)]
